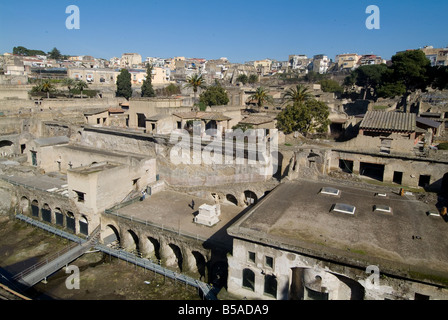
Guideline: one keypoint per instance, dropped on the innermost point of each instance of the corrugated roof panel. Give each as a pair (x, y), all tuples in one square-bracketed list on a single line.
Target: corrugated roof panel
[(389, 121)]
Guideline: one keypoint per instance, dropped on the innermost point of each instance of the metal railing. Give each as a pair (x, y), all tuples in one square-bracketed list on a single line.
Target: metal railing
[(42, 263), (206, 289), (82, 245), (163, 227), (20, 184)]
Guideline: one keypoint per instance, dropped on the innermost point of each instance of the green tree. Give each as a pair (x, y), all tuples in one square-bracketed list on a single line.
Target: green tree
[(81, 85), (22, 51), (55, 54), (391, 89), (196, 82), (370, 77), (124, 86), (411, 68), (297, 94), (242, 78), (69, 83), (253, 78), (147, 89), (306, 117), (313, 77), (439, 77), (329, 85), (46, 86), (261, 96), (214, 96)]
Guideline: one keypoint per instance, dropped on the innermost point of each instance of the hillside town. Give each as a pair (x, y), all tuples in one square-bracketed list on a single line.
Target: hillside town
[(311, 178)]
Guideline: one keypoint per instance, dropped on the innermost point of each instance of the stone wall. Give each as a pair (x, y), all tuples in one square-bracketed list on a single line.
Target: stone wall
[(298, 276)]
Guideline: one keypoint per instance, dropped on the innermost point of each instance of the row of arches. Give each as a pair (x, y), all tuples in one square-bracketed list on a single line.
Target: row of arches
[(62, 218), (247, 198), (164, 251)]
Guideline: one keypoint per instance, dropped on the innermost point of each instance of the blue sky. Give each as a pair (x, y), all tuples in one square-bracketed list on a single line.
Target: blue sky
[(239, 30)]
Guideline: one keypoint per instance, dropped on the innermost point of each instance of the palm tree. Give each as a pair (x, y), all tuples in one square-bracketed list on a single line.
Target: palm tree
[(46, 86), (69, 83), (81, 85), (261, 96), (298, 94), (195, 81)]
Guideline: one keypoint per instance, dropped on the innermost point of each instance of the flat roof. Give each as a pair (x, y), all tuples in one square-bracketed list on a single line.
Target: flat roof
[(296, 217), (95, 167), (171, 209)]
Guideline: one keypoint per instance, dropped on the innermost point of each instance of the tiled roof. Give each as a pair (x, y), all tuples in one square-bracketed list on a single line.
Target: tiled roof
[(202, 115), (389, 121), (253, 119)]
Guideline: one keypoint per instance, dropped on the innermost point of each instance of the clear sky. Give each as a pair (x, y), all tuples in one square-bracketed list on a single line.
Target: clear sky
[(241, 30)]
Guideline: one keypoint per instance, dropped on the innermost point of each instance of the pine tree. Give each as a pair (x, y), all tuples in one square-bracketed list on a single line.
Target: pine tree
[(124, 86), (147, 89)]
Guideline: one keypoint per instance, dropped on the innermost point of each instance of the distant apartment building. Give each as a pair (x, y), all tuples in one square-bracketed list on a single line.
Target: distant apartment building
[(299, 62), (263, 66), (437, 56), (369, 59), (321, 63), (347, 61), (114, 62), (130, 60), (94, 76)]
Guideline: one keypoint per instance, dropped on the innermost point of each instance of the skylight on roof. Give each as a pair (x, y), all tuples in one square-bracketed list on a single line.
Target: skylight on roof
[(344, 208), (382, 208), (330, 191)]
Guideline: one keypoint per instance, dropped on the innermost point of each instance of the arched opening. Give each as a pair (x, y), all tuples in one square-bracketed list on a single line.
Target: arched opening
[(35, 208), (70, 219), (270, 285), (111, 236), (201, 264), (59, 217), (156, 247), (250, 197), (178, 254), (133, 245), (6, 148), (249, 279), (83, 225), (231, 198), (24, 206), (46, 213)]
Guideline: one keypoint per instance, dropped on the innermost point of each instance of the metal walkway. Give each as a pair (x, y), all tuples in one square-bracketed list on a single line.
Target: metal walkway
[(206, 289), (53, 263), (40, 271)]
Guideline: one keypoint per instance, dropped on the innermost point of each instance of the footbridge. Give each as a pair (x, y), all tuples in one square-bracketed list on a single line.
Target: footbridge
[(44, 269)]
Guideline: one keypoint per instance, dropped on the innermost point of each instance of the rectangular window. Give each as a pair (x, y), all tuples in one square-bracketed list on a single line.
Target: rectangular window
[(251, 256), (424, 181), (398, 177), (269, 261), (80, 196), (419, 296)]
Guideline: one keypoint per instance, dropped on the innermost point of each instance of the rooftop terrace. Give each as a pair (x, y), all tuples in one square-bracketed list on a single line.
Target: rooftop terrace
[(172, 210)]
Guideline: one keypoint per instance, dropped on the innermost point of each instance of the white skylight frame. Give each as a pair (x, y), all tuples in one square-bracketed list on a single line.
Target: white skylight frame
[(382, 208), (330, 191), (344, 208)]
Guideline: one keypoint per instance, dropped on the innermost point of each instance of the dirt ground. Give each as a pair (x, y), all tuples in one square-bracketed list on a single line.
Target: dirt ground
[(101, 277)]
